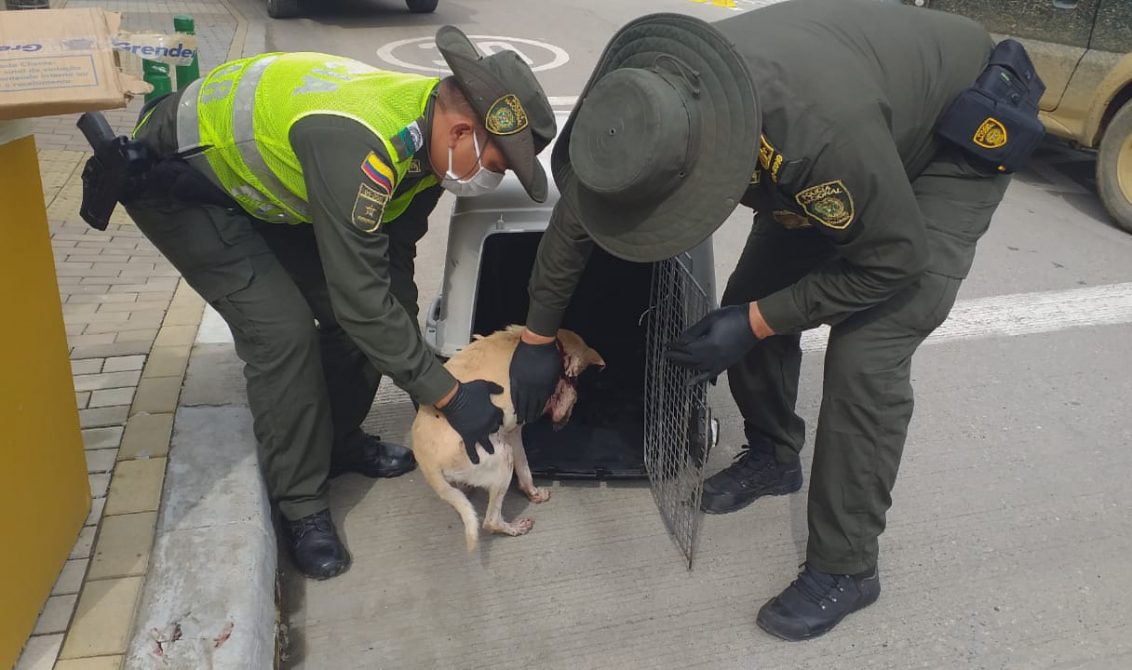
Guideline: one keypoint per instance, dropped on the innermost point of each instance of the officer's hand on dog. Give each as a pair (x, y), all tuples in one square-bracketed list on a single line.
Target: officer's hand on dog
[(535, 368), (472, 414), (717, 341)]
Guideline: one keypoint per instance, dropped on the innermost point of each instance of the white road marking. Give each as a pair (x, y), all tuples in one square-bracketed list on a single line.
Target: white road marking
[(539, 55), (995, 316), (1022, 314)]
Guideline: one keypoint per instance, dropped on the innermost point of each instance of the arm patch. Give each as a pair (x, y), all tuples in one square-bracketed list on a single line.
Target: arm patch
[(369, 206), (829, 203), (378, 172)]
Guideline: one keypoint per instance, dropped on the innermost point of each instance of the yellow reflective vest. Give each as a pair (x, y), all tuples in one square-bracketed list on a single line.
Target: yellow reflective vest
[(241, 114)]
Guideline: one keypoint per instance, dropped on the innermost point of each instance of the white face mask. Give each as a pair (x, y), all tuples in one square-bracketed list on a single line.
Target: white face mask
[(483, 181)]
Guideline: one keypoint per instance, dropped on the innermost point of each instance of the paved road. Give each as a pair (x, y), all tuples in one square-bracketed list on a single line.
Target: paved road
[(1008, 542)]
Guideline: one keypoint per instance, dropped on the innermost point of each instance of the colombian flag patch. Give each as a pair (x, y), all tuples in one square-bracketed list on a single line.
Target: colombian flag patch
[(378, 172)]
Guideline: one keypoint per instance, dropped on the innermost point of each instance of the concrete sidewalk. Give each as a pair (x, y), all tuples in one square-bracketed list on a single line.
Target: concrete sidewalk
[(1007, 545)]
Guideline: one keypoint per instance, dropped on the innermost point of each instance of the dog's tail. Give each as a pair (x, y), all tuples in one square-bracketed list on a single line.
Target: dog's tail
[(456, 498)]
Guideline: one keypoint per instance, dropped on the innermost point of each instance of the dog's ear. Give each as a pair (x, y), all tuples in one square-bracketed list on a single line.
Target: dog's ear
[(591, 357), (578, 355), (577, 363)]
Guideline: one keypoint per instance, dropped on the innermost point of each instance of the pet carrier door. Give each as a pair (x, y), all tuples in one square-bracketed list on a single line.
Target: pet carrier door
[(679, 429)]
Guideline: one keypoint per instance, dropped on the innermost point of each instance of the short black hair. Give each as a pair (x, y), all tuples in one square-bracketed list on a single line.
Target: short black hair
[(452, 99)]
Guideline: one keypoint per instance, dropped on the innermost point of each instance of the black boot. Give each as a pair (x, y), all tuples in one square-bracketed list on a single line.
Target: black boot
[(371, 457), (816, 602), (755, 473), (315, 547)]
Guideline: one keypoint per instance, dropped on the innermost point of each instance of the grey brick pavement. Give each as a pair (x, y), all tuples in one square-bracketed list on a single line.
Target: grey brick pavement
[(116, 291)]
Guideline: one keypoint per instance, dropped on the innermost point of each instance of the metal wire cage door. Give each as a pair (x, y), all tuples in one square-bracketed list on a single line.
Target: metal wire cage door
[(678, 424)]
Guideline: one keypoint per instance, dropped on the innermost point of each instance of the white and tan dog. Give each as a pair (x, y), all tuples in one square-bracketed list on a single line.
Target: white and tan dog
[(440, 451)]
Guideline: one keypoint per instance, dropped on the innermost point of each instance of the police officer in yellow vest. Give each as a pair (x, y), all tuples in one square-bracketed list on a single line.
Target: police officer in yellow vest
[(292, 188)]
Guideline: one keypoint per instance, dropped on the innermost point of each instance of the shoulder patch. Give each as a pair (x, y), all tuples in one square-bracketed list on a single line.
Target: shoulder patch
[(830, 203), (415, 166), (378, 172), (369, 206)]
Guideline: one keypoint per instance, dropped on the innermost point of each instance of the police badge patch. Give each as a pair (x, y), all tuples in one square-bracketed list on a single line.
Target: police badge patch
[(991, 134), (369, 206), (830, 203), (506, 116)]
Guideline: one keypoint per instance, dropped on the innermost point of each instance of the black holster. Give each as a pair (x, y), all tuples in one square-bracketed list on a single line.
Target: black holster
[(113, 174), (996, 120)]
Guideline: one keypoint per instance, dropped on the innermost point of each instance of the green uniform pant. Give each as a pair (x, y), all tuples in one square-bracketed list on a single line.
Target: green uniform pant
[(309, 386), (867, 395)]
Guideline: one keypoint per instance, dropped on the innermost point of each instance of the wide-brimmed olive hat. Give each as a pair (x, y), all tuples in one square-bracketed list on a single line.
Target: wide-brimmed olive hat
[(511, 104), (663, 140)]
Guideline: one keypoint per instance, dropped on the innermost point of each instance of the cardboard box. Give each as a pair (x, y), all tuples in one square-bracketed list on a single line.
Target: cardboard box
[(57, 61)]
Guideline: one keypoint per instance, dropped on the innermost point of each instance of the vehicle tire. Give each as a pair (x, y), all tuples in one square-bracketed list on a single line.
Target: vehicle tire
[(1114, 167), (283, 9), (421, 6)]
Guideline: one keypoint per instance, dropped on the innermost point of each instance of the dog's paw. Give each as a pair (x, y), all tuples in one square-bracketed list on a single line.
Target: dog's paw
[(538, 495), (520, 526), (514, 529)]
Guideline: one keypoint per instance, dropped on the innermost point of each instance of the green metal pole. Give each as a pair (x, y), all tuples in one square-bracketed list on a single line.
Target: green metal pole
[(186, 74)]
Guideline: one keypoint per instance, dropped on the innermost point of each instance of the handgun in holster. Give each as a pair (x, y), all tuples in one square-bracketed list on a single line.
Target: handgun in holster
[(112, 174)]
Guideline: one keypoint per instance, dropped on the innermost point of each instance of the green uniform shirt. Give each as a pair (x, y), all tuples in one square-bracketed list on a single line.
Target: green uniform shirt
[(850, 93), (369, 271)]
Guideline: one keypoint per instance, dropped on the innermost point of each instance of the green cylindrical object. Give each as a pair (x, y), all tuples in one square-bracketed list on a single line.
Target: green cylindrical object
[(186, 74), (156, 74)]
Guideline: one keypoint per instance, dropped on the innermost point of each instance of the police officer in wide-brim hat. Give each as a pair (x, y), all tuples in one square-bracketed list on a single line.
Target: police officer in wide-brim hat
[(821, 117), (661, 147), (356, 158)]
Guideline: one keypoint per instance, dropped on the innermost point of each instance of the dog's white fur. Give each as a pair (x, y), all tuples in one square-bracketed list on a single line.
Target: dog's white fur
[(440, 451)]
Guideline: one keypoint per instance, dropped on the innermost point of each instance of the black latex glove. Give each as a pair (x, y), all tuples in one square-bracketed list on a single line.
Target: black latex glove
[(534, 372), (472, 414), (716, 342)]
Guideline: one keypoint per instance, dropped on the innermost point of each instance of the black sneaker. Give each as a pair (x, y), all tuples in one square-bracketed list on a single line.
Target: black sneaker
[(315, 547), (373, 458), (816, 602), (755, 473)]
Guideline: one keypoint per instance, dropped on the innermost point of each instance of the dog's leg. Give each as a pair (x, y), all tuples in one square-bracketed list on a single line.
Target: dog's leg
[(456, 498), (523, 470), (493, 517)]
